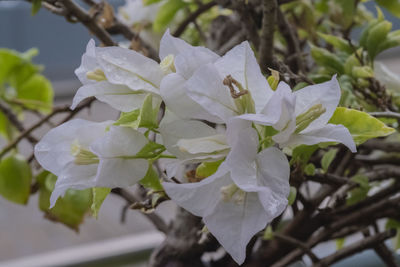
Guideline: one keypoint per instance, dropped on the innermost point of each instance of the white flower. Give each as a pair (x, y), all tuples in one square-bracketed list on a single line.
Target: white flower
[(230, 86), (119, 164), (135, 12), (247, 192), (301, 117), (65, 151), (83, 155), (122, 77)]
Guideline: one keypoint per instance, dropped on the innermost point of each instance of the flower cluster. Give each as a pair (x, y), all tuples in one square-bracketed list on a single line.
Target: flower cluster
[(220, 112)]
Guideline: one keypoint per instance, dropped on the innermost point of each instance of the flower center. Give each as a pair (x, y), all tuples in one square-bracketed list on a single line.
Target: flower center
[(242, 97), (167, 64), (232, 192), (306, 118), (96, 75), (82, 156)]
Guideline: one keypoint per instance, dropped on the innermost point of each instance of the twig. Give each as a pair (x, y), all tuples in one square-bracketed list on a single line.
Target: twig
[(386, 114), (192, 17), (154, 218), (267, 33), (14, 120), (380, 144), (366, 243), (299, 244)]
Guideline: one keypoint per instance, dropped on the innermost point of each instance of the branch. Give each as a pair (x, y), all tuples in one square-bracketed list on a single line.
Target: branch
[(299, 244), (14, 120), (366, 243), (386, 114), (380, 144), (192, 17), (267, 33), (154, 218)]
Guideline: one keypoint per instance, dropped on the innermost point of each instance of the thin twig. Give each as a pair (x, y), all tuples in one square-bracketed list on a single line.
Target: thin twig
[(192, 17), (357, 247), (299, 244), (386, 114), (267, 33)]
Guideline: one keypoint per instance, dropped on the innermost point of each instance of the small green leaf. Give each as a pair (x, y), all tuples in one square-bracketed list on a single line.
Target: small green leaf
[(309, 169), (361, 125), (393, 6), (292, 195), (362, 180), (207, 169), (36, 93), (337, 42), (362, 72), (376, 35), (15, 179), (151, 179), (145, 117), (36, 5), (328, 158), (301, 154), (150, 150), (6, 129), (166, 14), (327, 59), (268, 233), (356, 195), (340, 243), (99, 194), (69, 209), (149, 2)]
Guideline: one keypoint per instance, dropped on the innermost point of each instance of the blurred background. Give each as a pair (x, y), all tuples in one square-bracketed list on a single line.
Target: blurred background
[(23, 230)]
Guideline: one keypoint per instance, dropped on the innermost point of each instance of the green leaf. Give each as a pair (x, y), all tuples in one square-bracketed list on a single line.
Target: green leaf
[(356, 195), (268, 233), (15, 179), (166, 13), (361, 125), (151, 179), (394, 224), (207, 169), (36, 5), (348, 11), (362, 72), (99, 194), (362, 180), (292, 195), (6, 129), (145, 117), (70, 209), (376, 35), (150, 150), (149, 2), (340, 243), (328, 158), (36, 93), (393, 6), (301, 154), (309, 169), (327, 59), (337, 42)]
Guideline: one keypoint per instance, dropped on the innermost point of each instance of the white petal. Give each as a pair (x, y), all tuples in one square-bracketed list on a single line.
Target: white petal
[(53, 151), (117, 96), (241, 63), (174, 94), (130, 68), (170, 45), (184, 129), (74, 177), (241, 159), (208, 144), (273, 173), (234, 225), (206, 88), (327, 94), (198, 198), (328, 133), (187, 62), (88, 63), (118, 142), (233, 127), (117, 168)]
